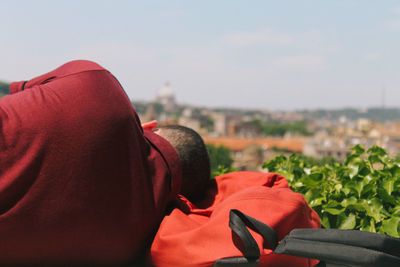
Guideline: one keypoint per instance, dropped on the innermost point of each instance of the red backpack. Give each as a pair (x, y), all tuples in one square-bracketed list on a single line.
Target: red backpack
[(207, 234)]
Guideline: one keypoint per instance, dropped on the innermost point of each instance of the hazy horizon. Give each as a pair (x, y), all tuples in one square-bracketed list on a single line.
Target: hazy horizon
[(286, 55)]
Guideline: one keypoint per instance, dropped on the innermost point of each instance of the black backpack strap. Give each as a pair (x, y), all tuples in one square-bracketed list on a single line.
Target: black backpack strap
[(333, 247), (346, 247), (238, 222)]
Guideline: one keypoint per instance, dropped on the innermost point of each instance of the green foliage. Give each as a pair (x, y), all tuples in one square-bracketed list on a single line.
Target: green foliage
[(361, 193), (140, 107), (276, 128), (220, 159), (222, 170), (207, 122), (4, 88), (159, 108), (318, 162)]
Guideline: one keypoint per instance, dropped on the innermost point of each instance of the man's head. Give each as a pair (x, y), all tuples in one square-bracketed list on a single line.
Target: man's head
[(194, 158)]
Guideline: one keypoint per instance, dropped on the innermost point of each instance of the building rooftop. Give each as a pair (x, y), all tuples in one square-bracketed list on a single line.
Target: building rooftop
[(165, 91)]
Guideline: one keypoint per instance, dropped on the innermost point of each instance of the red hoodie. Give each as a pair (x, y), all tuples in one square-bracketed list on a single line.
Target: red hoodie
[(80, 181)]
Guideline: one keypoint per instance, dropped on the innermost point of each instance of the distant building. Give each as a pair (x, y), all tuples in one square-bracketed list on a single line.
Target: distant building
[(166, 97), (150, 114), (249, 153), (220, 124), (244, 129), (364, 132), (329, 147), (364, 125), (187, 119)]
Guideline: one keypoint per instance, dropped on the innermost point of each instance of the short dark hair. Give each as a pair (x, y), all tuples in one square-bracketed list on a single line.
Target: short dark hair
[(194, 158)]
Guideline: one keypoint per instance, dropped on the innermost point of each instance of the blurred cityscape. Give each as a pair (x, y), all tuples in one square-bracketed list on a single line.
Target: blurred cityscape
[(254, 136)]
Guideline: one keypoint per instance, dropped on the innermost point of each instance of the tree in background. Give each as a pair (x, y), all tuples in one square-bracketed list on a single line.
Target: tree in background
[(3, 88), (277, 128), (221, 159)]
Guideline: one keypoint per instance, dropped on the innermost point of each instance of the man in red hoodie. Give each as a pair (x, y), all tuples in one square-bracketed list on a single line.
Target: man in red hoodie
[(81, 182)]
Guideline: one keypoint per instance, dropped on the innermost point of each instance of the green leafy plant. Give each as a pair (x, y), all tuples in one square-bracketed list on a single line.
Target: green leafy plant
[(3, 88), (361, 193), (222, 170), (220, 160), (276, 128)]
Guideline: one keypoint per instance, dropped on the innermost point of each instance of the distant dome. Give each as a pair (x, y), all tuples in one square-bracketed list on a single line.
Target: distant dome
[(166, 97), (166, 91)]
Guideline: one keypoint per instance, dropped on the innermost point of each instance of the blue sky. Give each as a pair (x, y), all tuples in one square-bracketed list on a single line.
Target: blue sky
[(252, 54)]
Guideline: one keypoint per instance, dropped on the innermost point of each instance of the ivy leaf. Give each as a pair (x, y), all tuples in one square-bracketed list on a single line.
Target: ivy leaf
[(368, 189), (275, 163), (334, 211), (347, 222), (349, 201), (316, 202), (359, 206), (368, 224), (388, 185), (334, 208), (311, 182), (363, 169), (378, 151), (395, 170), (391, 226), (353, 170), (374, 159), (373, 208), (313, 193), (350, 158), (357, 186), (298, 184), (338, 187), (289, 176), (358, 149), (346, 191), (325, 221), (396, 211), (388, 199)]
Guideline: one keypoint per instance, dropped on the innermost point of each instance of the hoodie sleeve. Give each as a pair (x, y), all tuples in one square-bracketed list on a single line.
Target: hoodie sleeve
[(69, 68)]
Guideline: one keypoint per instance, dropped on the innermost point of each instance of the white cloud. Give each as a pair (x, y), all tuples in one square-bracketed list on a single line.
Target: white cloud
[(301, 62)]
